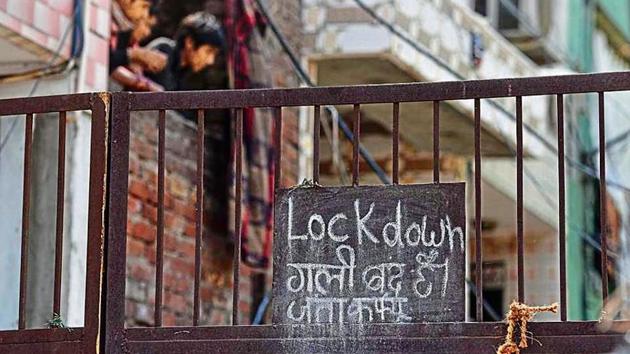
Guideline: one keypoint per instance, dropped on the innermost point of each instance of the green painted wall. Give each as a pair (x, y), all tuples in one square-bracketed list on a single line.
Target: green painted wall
[(580, 29), (619, 12), (575, 256), (579, 194)]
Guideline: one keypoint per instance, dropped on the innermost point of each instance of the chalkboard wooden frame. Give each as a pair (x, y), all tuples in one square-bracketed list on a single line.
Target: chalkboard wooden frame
[(369, 254)]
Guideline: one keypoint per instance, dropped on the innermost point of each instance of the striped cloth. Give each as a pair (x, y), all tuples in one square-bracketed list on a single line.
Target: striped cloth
[(246, 58)]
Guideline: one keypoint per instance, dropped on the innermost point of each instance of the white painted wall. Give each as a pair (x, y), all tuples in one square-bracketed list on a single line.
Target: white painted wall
[(10, 219), (75, 225)]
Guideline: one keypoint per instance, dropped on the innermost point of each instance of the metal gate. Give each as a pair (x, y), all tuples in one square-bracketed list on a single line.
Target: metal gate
[(63, 340), (561, 336), (477, 336)]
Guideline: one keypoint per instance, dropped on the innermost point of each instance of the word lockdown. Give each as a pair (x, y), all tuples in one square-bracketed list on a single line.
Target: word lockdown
[(369, 254)]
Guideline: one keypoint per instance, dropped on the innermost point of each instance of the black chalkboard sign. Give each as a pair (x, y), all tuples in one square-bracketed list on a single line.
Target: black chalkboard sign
[(370, 254)]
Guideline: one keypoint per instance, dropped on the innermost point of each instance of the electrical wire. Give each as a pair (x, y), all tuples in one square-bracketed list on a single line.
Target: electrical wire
[(307, 80)]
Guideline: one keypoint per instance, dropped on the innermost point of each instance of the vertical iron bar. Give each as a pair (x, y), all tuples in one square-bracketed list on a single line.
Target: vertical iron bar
[(118, 190), (316, 128), (436, 141), (61, 173), (199, 215), (356, 126), (395, 142), (26, 203), (96, 239), (519, 199), (277, 131), (238, 141), (159, 244), (603, 198), (478, 243), (561, 212)]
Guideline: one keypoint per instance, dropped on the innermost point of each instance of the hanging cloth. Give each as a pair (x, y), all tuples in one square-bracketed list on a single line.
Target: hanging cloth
[(249, 66)]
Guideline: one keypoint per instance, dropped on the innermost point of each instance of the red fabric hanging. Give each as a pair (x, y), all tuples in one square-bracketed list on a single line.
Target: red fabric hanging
[(245, 58)]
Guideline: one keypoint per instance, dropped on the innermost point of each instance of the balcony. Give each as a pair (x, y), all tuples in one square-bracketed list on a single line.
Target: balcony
[(347, 46)]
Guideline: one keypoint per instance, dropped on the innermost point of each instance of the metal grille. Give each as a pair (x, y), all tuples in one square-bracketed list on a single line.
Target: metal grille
[(478, 336), (560, 336), (25, 340)]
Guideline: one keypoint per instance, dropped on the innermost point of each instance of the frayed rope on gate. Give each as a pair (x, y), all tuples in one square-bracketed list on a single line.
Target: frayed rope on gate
[(520, 314)]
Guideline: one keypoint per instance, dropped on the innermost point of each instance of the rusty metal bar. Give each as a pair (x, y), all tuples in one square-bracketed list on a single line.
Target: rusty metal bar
[(159, 241), (436, 141), (316, 132), (45, 104), (603, 197), (485, 335), (478, 242), (26, 204), (96, 223), (395, 142), (562, 211), (519, 200), (199, 213), (277, 131), (238, 185), (415, 92), (356, 138), (61, 180), (117, 225)]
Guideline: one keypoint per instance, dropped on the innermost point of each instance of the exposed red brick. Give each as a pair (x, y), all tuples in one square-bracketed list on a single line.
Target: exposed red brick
[(144, 150), (206, 293), (243, 307), (143, 231), (176, 302), (139, 189), (140, 272), (190, 230), (180, 188), (173, 221), (219, 317), (185, 209), (177, 284), (134, 205), (179, 246), (182, 266), (150, 213), (152, 178), (134, 167), (168, 319), (135, 248), (150, 253)]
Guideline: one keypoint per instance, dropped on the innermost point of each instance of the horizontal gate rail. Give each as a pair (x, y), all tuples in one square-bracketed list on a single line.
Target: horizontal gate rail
[(62, 340), (382, 93), (561, 336), (373, 338)]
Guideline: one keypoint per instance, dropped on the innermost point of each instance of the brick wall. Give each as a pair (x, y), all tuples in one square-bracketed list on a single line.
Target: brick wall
[(287, 15), (216, 294), (179, 233)]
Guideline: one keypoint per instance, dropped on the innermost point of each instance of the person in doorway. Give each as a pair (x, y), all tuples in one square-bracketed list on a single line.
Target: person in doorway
[(194, 57), (195, 62)]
